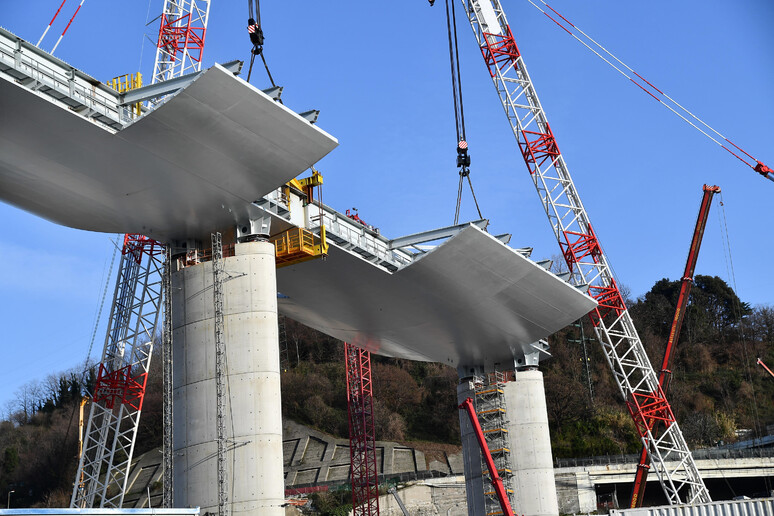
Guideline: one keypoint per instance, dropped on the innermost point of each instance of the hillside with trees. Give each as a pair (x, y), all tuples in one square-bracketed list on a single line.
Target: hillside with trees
[(717, 391)]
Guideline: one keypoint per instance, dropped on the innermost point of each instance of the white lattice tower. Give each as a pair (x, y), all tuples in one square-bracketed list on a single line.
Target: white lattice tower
[(181, 39), (114, 416), (670, 457)]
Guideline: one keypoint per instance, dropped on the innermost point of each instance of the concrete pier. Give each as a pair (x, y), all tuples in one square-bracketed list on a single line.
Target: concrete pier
[(529, 460), (530, 444), (253, 411)]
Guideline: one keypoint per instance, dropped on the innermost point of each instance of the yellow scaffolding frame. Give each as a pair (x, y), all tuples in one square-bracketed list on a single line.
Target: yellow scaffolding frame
[(124, 83)]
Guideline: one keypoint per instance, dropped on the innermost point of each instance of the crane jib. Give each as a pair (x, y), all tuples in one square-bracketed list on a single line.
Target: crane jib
[(623, 349)]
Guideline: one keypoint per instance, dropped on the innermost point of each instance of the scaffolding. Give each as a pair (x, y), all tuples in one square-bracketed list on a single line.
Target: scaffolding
[(493, 418)]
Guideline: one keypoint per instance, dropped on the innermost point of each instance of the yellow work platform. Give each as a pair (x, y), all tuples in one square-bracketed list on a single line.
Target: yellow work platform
[(298, 245)]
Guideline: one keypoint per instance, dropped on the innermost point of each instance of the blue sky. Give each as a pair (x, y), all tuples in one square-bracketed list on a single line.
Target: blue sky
[(379, 74)]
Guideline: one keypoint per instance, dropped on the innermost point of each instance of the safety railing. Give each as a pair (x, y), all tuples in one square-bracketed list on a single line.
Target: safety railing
[(45, 74), (359, 239), (702, 454)]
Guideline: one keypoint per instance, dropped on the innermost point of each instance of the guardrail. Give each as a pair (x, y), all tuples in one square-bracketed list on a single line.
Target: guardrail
[(72, 89), (343, 232), (357, 238), (702, 454)]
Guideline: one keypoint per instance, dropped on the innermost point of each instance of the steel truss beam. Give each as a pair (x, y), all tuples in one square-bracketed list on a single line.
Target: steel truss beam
[(167, 87), (637, 381), (118, 395), (362, 438)]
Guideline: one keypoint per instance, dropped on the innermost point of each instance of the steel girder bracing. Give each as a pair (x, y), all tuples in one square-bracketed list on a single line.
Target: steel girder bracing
[(623, 349), (181, 38), (168, 444), (362, 438), (218, 274), (118, 394)]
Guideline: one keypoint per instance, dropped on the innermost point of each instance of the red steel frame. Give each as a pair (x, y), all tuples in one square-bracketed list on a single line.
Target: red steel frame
[(362, 436), (497, 482), (581, 249), (641, 478)]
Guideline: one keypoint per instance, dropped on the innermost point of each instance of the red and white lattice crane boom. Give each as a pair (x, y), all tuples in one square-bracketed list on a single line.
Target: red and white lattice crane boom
[(142, 284), (182, 33), (114, 417), (584, 255)]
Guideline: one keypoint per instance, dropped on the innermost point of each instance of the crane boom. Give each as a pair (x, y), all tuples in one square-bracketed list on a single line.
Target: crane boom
[(664, 376), (583, 253), (497, 482), (760, 362)]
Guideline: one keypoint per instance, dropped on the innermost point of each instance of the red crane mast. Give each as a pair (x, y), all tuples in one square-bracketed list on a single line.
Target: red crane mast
[(664, 376), (362, 435)]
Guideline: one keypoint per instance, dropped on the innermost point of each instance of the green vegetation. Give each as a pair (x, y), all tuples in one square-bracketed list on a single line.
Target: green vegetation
[(716, 390)]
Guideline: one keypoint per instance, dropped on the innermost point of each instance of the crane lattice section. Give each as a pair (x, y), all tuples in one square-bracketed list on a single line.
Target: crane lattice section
[(583, 253)]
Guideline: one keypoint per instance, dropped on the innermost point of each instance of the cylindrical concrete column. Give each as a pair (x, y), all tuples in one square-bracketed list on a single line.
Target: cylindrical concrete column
[(534, 487), (253, 411)]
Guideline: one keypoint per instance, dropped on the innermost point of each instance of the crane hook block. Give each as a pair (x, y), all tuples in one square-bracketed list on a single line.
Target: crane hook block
[(256, 33), (463, 160)]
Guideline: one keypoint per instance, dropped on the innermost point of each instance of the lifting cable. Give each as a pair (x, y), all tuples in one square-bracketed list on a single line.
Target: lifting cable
[(463, 159), (52, 22), (646, 86), (737, 311), (256, 38), (740, 321)]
